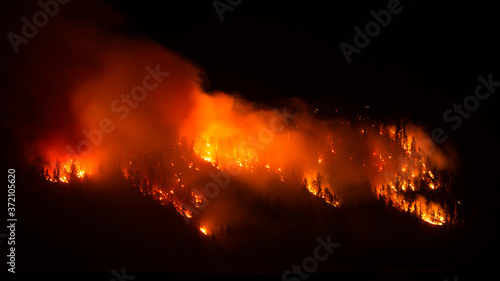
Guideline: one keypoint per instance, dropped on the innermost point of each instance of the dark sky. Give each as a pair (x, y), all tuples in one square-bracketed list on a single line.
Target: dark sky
[(424, 60)]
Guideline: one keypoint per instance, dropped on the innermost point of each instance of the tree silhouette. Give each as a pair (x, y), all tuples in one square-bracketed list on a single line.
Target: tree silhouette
[(305, 183), (72, 174), (316, 184), (328, 196), (56, 172)]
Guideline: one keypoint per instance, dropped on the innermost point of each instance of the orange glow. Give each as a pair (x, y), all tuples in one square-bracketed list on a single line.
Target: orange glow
[(413, 174), (220, 131), (203, 230), (64, 172), (394, 188)]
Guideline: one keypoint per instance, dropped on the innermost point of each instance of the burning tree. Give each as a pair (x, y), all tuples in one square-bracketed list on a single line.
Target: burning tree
[(316, 185)]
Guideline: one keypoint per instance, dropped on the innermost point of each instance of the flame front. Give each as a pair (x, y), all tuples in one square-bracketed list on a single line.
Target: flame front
[(63, 172), (409, 185)]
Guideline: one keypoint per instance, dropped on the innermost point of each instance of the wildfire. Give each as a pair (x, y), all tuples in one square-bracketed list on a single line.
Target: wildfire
[(203, 230), (414, 174), (318, 187), (64, 172), (407, 180)]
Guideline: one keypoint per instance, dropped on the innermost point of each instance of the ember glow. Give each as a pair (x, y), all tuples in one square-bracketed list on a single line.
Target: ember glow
[(203, 230), (63, 172)]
